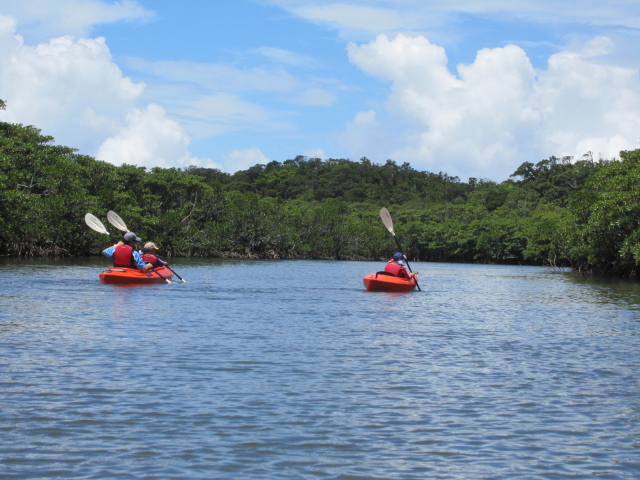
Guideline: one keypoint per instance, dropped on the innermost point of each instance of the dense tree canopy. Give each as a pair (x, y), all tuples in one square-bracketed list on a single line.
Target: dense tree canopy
[(607, 219), (554, 212), (312, 179)]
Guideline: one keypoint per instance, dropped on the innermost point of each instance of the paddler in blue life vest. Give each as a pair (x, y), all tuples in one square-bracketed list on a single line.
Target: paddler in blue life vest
[(149, 255), (125, 255), (395, 267)]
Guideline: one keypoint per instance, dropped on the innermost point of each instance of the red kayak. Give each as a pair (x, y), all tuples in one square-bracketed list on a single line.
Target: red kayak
[(385, 282), (122, 276)]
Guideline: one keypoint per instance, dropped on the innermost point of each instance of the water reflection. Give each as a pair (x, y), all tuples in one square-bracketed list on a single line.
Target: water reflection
[(614, 292)]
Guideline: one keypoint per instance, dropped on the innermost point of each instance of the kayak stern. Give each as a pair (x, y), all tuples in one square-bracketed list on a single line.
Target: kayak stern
[(379, 282)]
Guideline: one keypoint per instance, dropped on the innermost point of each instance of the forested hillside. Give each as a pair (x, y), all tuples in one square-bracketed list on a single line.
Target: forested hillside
[(582, 213), (311, 179)]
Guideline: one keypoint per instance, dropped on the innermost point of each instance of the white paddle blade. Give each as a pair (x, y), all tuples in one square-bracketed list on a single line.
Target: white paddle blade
[(386, 219), (116, 221), (94, 224)]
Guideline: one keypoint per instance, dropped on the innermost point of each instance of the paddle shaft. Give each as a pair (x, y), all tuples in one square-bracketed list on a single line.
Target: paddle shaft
[(160, 275), (415, 278), (174, 272)]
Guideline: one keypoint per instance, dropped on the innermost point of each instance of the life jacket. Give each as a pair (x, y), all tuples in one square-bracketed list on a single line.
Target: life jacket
[(123, 257), (396, 269), (149, 258)]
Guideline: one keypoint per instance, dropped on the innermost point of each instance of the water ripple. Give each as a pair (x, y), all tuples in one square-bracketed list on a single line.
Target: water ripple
[(291, 370)]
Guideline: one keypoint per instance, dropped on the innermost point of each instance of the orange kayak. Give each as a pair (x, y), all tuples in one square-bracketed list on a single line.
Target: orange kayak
[(122, 276), (382, 282)]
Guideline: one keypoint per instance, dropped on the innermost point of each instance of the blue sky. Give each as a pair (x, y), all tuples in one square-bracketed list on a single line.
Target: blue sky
[(466, 87)]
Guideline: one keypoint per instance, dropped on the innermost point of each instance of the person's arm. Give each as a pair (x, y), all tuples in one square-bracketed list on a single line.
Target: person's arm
[(108, 252), (406, 274), (137, 259), (161, 263), (409, 275)]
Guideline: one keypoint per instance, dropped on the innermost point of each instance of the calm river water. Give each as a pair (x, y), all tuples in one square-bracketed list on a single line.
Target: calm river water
[(290, 370)]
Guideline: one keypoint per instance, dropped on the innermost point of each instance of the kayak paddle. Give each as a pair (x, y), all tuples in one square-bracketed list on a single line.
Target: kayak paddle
[(96, 225), (174, 272), (116, 221), (386, 219), (162, 277)]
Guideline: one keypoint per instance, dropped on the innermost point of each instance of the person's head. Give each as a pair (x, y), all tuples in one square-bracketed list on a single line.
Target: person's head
[(149, 247), (131, 238), (398, 257)]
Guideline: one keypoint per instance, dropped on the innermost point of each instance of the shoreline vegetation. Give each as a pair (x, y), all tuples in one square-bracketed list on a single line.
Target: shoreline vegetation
[(559, 212)]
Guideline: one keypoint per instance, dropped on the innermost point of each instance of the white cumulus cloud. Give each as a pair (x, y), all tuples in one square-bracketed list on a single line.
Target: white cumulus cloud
[(361, 132), (72, 90), (497, 111), (151, 139), (587, 105), (243, 159)]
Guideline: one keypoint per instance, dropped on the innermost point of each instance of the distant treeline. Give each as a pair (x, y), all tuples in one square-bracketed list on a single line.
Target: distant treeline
[(557, 212)]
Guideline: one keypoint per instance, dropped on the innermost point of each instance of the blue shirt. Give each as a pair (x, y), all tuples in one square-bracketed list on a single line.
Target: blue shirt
[(137, 260)]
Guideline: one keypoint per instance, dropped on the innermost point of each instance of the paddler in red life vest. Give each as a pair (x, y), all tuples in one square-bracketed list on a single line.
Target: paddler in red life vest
[(125, 255), (395, 267), (149, 255)]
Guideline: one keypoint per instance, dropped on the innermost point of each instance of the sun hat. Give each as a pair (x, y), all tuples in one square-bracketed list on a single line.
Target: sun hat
[(131, 237)]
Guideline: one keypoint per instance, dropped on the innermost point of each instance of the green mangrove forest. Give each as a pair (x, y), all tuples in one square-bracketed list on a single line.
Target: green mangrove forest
[(580, 214)]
